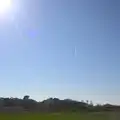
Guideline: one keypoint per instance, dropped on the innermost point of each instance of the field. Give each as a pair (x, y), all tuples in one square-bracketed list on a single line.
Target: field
[(60, 116)]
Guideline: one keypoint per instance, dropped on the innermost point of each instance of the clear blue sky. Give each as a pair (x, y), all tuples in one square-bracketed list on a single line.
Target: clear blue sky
[(62, 48)]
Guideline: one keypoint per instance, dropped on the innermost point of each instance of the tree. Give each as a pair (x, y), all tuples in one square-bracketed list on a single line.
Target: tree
[(91, 103), (26, 97), (87, 101)]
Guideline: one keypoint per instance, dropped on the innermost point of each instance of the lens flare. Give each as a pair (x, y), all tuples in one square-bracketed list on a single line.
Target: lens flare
[(5, 6)]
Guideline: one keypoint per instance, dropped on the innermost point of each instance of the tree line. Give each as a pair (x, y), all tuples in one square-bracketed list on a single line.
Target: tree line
[(52, 105)]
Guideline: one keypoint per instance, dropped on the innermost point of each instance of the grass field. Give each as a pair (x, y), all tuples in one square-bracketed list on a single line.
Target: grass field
[(62, 116)]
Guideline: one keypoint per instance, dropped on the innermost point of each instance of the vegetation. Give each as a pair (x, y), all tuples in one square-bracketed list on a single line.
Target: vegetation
[(61, 116), (55, 109), (52, 105)]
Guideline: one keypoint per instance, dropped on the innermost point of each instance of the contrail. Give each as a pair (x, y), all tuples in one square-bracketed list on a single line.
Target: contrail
[(75, 51)]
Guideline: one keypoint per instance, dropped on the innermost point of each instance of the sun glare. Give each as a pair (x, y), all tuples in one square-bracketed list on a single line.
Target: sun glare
[(5, 6)]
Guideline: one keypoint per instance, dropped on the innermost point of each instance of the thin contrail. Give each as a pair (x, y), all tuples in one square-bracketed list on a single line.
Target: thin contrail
[(75, 51)]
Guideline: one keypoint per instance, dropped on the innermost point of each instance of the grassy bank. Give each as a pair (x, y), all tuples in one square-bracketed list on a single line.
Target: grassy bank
[(60, 116)]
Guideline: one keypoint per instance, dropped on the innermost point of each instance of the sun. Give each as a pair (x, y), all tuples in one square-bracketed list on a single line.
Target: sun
[(5, 6)]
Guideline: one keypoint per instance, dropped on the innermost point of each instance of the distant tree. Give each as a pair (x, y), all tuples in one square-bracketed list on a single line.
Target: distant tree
[(26, 97), (87, 101), (91, 103)]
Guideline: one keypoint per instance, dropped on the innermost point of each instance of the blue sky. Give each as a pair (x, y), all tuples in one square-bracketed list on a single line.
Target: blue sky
[(61, 48)]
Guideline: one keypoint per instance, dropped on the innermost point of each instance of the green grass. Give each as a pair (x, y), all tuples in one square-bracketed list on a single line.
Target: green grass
[(60, 116)]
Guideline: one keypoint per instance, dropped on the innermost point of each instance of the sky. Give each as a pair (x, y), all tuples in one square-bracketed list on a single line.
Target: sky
[(61, 48)]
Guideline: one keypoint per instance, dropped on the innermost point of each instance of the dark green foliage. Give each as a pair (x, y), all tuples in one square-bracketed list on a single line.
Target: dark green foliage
[(52, 105)]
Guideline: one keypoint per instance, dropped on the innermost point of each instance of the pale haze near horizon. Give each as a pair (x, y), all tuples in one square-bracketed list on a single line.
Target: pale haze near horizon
[(61, 48)]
